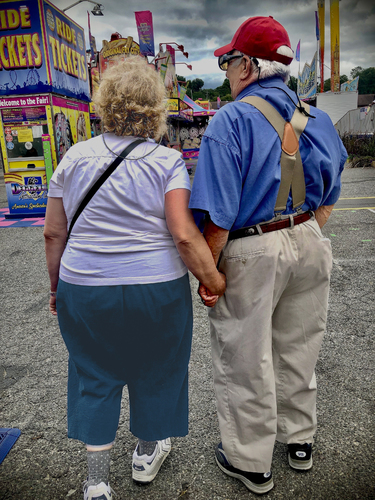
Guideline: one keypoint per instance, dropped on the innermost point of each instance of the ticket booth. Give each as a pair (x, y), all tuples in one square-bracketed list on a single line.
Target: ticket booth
[(44, 98)]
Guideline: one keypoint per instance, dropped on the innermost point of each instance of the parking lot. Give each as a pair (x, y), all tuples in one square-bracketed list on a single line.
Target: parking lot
[(44, 465)]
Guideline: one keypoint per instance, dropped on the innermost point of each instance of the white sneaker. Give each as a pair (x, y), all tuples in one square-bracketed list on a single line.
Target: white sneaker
[(99, 491), (146, 467)]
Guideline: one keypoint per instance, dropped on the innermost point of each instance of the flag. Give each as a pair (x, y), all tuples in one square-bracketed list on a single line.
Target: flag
[(163, 68), (145, 29), (317, 25), (298, 51), (172, 52)]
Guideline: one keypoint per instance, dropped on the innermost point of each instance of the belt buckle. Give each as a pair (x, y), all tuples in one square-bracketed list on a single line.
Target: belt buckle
[(249, 231)]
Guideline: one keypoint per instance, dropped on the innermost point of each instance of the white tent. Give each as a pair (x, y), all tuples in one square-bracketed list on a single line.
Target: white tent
[(337, 104)]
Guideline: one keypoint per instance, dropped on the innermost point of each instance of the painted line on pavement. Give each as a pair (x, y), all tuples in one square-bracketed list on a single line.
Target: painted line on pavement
[(356, 208)]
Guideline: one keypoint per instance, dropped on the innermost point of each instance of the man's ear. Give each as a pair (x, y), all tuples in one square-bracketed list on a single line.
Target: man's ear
[(246, 68)]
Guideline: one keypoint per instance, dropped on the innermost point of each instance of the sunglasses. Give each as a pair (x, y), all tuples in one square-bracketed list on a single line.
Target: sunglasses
[(226, 59)]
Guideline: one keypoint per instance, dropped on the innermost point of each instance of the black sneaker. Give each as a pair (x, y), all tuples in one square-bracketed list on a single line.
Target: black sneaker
[(257, 482), (300, 456)]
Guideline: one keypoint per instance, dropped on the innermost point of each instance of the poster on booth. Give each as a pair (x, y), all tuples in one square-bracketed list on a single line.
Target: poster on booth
[(71, 123), (41, 50), (26, 192)]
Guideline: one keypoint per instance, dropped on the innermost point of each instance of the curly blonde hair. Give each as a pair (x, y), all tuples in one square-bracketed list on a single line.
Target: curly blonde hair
[(130, 99)]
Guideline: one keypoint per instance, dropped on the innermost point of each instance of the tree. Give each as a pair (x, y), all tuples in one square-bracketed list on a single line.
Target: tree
[(355, 72), (327, 83), (180, 78), (196, 84), (292, 83), (223, 89), (366, 82)]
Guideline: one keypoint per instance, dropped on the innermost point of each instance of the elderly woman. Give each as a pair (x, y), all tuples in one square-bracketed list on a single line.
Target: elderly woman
[(120, 285)]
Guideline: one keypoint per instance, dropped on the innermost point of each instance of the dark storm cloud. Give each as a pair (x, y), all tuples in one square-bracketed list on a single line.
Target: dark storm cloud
[(203, 25)]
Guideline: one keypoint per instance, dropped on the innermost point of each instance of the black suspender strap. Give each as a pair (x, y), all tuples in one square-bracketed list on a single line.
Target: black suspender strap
[(94, 188)]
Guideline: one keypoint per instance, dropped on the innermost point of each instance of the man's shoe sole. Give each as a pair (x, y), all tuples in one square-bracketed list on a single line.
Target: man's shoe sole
[(260, 489), (300, 464)]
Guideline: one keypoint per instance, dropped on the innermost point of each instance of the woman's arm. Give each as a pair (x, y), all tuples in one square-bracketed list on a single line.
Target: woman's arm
[(55, 232), (190, 243)]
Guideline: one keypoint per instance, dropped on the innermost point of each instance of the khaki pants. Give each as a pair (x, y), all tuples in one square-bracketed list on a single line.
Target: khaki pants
[(266, 332)]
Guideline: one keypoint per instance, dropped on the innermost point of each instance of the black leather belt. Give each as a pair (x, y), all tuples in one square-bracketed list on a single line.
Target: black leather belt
[(270, 226)]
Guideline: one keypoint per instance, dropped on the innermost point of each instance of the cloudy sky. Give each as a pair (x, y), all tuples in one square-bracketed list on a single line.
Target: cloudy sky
[(204, 25)]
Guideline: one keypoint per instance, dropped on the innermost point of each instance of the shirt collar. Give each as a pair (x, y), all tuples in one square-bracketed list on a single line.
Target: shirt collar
[(273, 81)]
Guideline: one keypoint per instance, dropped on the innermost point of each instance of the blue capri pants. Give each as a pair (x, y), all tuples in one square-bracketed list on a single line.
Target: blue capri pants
[(134, 335)]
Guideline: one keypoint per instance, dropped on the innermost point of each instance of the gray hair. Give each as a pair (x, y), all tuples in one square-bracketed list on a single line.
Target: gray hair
[(272, 68)]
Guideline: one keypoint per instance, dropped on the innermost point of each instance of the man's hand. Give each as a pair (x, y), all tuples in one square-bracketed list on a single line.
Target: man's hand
[(209, 299)]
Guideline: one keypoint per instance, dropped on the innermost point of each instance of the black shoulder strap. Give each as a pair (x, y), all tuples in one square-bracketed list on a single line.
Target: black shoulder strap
[(94, 188)]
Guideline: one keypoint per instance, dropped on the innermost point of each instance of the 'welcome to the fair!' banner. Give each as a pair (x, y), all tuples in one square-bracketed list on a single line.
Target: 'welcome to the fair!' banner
[(145, 32), (307, 80)]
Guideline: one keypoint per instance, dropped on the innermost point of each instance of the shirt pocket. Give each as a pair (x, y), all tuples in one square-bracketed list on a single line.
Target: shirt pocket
[(243, 249)]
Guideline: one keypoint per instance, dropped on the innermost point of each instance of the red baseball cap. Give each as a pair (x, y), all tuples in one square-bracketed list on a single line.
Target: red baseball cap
[(259, 37)]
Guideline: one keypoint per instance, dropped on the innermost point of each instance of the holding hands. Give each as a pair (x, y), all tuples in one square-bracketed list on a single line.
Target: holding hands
[(209, 298)]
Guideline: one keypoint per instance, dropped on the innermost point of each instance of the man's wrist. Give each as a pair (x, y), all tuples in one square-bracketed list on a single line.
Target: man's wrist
[(52, 294)]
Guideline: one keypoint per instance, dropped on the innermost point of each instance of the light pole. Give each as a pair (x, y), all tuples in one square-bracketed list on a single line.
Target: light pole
[(96, 11)]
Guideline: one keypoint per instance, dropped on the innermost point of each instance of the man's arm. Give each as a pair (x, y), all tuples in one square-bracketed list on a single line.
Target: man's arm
[(322, 214), (216, 238)]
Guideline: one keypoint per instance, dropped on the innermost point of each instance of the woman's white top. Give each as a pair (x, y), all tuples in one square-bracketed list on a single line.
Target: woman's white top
[(121, 237)]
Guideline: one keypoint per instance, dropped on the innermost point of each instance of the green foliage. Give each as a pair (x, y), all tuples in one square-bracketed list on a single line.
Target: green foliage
[(355, 72), (195, 90), (223, 89), (195, 87), (196, 84), (366, 83), (199, 95), (327, 83), (292, 83), (361, 149)]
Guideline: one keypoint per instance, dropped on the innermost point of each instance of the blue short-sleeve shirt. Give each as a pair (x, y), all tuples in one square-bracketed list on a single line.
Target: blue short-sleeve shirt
[(238, 173)]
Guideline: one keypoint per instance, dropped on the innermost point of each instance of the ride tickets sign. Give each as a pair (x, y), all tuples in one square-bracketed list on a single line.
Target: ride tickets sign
[(41, 50)]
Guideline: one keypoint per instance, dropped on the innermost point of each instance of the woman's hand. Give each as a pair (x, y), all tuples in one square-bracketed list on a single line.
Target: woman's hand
[(52, 305)]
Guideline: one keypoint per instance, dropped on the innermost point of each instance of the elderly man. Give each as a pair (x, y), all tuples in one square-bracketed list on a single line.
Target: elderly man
[(263, 188)]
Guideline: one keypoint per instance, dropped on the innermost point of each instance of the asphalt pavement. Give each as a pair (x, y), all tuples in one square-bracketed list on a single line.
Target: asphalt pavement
[(44, 465)]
